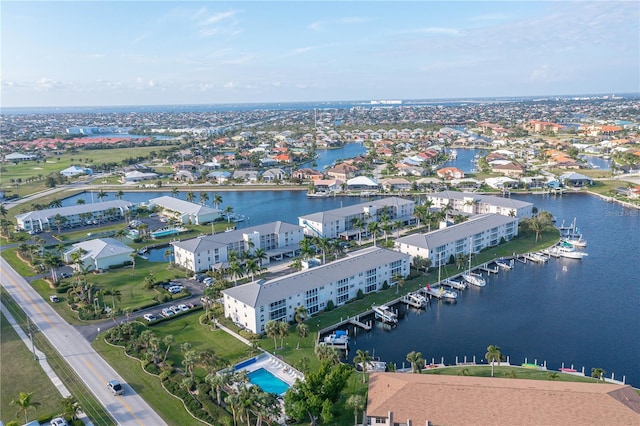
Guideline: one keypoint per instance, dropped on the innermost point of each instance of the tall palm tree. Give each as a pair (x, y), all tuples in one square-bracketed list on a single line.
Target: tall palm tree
[(416, 360), (24, 403), (357, 403), (101, 194), (228, 210), (493, 355), (362, 358), (132, 255), (168, 341), (174, 191), (167, 255), (218, 381), (373, 228), (359, 225), (271, 328), (3, 210), (303, 331), (120, 194), (327, 353), (204, 197), (300, 314), (283, 331), (70, 406), (217, 200), (190, 196), (260, 255), (399, 279)]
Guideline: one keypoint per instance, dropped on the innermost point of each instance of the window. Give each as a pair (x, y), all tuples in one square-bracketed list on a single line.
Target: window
[(278, 310), (311, 301)]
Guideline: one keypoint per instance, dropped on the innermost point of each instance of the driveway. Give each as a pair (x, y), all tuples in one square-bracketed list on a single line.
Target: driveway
[(95, 372)]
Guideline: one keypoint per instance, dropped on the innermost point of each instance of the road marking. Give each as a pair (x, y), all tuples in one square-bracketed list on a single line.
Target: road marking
[(128, 408), (31, 301)]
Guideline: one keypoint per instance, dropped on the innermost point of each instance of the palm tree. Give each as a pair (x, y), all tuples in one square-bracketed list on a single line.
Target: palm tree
[(70, 406), (300, 314), (362, 359), (303, 331), (80, 201), (3, 210), (597, 373), (132, 255), (190, 358), (359, 225), (218, 381), (271, 328), (204, 197), (190, 197), (228, 210), (120, 194), (174, 191), (416, 360), (252, 267), (373, 228), (236, 271), (121, 233), (357, 403), (493, 355), (101, 194), (260, 255), (399, 279), (24, 403), (217, 200), (167, 255), (283, 331), (327, 353), (168, 341)]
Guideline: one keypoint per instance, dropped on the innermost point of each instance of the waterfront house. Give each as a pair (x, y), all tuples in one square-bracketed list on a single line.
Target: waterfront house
[(362, 183), (509, 168), (575, 180), (342, 171), (277, 239), (99, 253), (340, 223), (307, 174), (400, 399), (327, 185), (72, 216), (137, 176), (476, 234), (477, 204), (396, 184), (251, 305), (274, 174), (450, 173), (185, 211)]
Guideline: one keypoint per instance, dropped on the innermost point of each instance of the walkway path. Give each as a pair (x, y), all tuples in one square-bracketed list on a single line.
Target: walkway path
[(42, 359)]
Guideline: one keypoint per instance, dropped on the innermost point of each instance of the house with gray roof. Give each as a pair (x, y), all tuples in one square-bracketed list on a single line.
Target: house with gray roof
[(100, 253), (277, 239), (340, 223), (73, 215), (469, 202), (474, 235), (184, 211), (251, 305)]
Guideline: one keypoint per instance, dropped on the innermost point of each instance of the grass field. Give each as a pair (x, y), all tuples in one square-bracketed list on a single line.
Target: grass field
[(19, 372)]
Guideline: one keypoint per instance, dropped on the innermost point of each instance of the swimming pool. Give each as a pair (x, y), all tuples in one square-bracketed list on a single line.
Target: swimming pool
[(267, 381)]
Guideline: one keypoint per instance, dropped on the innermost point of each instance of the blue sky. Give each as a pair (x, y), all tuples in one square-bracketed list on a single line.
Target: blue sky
[(62, 53)]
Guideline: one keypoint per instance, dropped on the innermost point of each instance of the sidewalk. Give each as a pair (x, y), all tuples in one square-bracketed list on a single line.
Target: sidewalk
[(42, 359)]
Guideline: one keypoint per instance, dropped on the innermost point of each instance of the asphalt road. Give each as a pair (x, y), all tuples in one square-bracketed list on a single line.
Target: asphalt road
[(95, 372)]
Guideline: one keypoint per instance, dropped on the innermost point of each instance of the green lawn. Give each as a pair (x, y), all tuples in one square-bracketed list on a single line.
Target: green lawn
[(511, 372), (19, 372)]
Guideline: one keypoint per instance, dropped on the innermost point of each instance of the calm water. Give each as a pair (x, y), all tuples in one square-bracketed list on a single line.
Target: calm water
[(463, 160), (585, 313), (328, 157)]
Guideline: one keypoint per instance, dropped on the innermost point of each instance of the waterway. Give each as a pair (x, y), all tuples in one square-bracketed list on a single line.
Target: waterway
[(464, 159), (581, 312), (328, 157)]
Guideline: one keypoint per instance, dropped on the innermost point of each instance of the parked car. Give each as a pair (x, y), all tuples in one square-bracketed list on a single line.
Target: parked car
[(166, 312), (208, 281), (65, 275), (115, 387), (175, 289), (54, 298), (175, 309), (59, 421), (149, 317), (183, 307)]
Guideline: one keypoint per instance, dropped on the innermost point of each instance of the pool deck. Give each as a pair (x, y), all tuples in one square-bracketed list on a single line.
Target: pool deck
[(277, 367)]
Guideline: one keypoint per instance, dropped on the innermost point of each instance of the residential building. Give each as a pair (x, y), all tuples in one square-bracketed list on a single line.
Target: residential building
[(477, 204), (252, 305), (475, 234), (277, 239), (362, 183), (100, 253), (340, 223), (73, 215), (575, 180), (450, 173), (137, 176), (72, 171), (396, 184), (185, 211), (401, 399), (342, 171)]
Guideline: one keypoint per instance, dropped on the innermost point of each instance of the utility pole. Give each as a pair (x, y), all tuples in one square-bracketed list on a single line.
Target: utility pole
[(33, 347)]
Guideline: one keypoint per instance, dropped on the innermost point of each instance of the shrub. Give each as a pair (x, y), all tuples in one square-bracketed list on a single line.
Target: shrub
[(330, 306), (360, 294), (385, 285), (249, 335)]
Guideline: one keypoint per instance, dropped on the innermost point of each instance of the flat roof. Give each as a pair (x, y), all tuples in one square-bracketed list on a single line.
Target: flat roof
[(182, 206), (487, 199), (73, 210), (323, 216)]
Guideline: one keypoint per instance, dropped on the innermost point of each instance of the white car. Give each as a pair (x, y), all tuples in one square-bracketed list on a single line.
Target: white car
[(175, 289), (183, 307), (149, 317), (54, 298), (175, 309), (166, 312), (59, 421), (115, 387)]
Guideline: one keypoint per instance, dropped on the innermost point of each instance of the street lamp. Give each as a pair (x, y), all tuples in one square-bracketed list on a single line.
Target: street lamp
[(33, 347)]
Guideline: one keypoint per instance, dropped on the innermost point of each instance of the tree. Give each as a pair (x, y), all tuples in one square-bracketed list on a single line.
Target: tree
[(300, 314), (190, 196), (24, 403), (204, 197), (217, 200), (283, 331), (3, 211), (120, 194), (101, 194), (493, 355), (168, 341), (317, 393), (228, 211), (260, 255), (190, 358), (174, 191), (598, 373), (362, 359), (357, 403), (271, 328), (416, 360), (359, 225), (167, 255), (373, 228), (218, 381), (132, 255), (70, 407), (303, 331), (399, 279), (327, 353)]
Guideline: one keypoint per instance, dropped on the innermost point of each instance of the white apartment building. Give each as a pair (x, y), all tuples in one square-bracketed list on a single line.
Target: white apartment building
[(477, 233), (340, 223), (252, 305), (277, 239), (478, 204)]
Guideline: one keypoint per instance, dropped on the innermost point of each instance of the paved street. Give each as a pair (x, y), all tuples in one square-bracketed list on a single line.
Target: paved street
[(128, 409)]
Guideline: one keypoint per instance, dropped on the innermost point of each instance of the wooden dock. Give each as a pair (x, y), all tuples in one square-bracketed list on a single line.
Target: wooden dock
[(357, 323), (484, 267)]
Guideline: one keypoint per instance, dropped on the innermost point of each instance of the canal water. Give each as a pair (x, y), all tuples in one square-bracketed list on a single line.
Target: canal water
[(581, 312), (464, 159)]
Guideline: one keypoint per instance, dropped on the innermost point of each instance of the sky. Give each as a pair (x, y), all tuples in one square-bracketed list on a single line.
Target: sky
[(99, 53)]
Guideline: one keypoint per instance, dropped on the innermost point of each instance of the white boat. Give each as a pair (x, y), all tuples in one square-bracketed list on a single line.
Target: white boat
[(374, 365), (458, 285), (384, 313), (340, 337), (568, 251), (448, 294), (576, 242), (470, 277), (416, 300), (504, 265), (318, 194)]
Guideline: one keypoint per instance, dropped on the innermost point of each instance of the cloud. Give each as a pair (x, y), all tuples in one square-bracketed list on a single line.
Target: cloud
[(349, 20), (46, 84)]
